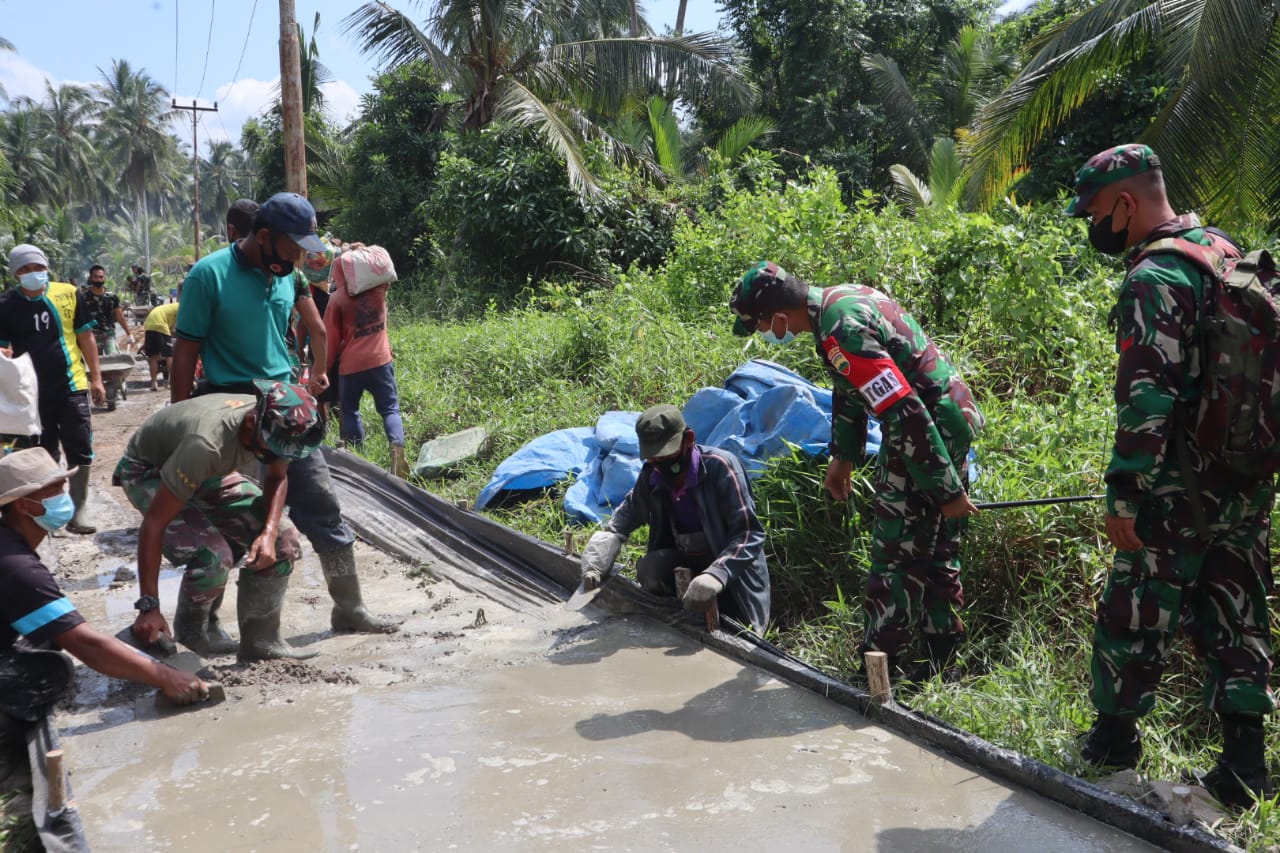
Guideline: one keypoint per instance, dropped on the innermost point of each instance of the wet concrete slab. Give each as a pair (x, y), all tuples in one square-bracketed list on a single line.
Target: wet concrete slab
[(563, 732)]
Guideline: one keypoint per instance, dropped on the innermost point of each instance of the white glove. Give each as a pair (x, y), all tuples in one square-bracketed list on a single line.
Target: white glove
[(701, 592), (597, 558)]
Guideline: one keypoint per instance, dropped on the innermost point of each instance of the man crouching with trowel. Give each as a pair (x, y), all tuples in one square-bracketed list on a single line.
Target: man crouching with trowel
[(33, 503), (701, 517), (181, 470)]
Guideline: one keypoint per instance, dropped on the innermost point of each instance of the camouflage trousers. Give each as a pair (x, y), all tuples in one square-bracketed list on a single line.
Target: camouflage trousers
[(213, 531), (914, 581), (1216, 594)]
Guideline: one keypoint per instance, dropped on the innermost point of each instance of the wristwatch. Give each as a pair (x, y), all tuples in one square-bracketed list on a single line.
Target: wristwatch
[(147, 603)]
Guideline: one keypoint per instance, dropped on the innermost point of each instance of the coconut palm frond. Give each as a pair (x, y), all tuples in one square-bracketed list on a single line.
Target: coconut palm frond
[(741, 135), (909, 189), (525, 108), (666, 137), (899, 102), (391, 36)]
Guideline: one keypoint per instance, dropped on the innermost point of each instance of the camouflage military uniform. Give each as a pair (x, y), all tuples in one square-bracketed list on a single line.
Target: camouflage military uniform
[(1216, 590), (193, 448), (102, 309), (881, 361)]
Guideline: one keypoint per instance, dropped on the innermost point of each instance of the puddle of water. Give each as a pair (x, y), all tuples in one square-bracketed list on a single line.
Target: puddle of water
[(613, 742)]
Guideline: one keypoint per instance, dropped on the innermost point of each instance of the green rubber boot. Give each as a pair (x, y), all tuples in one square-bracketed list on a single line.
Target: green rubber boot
[(78, 486), (260, 600), (349, 612)]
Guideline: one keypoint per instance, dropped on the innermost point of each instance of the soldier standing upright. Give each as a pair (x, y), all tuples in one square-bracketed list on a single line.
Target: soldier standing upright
[(1165, 574)]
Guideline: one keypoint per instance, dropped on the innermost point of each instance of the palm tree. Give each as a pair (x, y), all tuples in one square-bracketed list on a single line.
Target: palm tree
[(65, 115), (526, 61), (675, 154), (23, 142), (135, 112), (220, 180), (928, 124), (1216, 136)]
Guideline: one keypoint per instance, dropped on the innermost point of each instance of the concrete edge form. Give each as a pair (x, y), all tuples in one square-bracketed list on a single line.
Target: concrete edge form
[(542, 569)]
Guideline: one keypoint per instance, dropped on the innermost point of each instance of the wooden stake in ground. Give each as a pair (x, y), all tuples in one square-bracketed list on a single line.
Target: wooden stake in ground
[(57, 782), (877, 664)]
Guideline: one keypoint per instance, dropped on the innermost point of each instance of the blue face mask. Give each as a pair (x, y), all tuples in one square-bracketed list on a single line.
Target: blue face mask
[(787, 337), (34, 281), (57, 512)]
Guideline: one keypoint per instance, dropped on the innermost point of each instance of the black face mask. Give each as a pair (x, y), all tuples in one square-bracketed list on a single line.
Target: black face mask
[(672, 470), (1106, 241), (278, 265)]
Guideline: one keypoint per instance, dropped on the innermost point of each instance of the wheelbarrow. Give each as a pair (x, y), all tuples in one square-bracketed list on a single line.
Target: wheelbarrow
[(115, 375)]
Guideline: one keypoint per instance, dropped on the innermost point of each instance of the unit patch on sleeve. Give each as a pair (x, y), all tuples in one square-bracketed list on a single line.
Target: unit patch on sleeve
[(878, 380)]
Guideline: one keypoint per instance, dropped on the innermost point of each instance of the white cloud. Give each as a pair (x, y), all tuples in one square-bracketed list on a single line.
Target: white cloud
[(21, 78), (341, 100), (237, 104), (249, 98)]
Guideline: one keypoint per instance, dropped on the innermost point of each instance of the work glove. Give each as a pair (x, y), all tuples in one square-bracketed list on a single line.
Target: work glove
[(702, 592), (597, 558)]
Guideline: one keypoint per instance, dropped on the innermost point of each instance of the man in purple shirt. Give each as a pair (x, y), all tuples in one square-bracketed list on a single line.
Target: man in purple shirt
[(701, 516)]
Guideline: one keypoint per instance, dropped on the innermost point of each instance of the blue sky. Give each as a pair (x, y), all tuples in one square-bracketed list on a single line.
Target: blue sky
[(70, 40)]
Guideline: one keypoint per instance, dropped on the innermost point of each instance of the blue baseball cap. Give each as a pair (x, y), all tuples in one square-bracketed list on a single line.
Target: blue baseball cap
[(291, 214)]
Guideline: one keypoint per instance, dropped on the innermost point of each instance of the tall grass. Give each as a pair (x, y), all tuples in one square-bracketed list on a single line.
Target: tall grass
[(1014, 299)]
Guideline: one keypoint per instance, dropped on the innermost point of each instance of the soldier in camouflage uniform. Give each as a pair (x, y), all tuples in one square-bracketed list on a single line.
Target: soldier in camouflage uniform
[(881, 362), (1165, 576), (181, 470)]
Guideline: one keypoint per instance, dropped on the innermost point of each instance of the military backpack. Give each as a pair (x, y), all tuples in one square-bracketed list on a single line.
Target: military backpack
[(1236, 424)]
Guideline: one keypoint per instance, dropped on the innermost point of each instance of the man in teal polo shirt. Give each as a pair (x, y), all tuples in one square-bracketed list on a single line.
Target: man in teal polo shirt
[(236, 305)]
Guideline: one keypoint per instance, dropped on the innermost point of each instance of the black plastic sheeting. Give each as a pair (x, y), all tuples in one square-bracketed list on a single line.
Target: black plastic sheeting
[(525, 573)]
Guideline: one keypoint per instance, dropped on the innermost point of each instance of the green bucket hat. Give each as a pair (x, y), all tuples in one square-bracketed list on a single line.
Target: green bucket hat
[(288, 419), (758, 294), (1107, 167)]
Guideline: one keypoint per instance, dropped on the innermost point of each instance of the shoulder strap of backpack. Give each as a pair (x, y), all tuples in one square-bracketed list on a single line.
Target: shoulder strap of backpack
[(1208, 258)]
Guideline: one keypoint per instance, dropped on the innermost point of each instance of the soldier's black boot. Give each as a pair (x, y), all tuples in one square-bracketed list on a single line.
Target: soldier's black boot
[(1112, 743), (1240, 776), (939, 659)]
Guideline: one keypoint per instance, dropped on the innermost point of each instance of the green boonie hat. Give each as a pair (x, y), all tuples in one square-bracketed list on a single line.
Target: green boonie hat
[(1107, 167), (759, 294), (288, 419), (660, 430)]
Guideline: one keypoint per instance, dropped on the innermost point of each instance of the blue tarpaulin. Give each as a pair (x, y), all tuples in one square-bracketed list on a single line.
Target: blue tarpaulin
[(762, 407)]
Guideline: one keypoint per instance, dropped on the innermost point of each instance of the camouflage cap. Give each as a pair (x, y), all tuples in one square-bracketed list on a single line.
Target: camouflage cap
[(759, 294), (288, 419), (1107, 167)]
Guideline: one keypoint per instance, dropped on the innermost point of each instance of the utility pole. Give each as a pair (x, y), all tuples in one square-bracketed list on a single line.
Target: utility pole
[(195, 164), (295, 151)]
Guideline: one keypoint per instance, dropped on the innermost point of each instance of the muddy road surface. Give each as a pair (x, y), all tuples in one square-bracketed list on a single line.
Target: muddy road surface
[(482, 728)]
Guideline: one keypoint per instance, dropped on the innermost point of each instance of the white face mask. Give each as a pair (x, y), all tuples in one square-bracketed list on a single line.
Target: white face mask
[(34, 281), (787, 337)]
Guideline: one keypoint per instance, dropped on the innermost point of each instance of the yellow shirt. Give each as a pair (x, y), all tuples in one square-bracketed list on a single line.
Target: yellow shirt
[(163, 319)]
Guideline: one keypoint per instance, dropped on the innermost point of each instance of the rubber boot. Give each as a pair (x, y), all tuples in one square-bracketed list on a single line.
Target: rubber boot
[(220, 641), (191, 623), (349, 612), (259, 602), (79, 488), (1240, 776), (1112, 743), (399, 468), (940, 654)]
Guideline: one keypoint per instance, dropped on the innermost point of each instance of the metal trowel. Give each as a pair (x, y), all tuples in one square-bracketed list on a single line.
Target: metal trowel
[(582, 596), (179, 657)]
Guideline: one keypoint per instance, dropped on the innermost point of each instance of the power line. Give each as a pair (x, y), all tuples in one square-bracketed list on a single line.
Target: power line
[(235, 78), (213, 11), (175, 48)]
